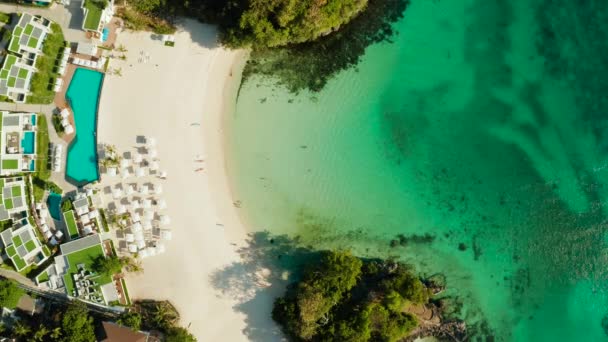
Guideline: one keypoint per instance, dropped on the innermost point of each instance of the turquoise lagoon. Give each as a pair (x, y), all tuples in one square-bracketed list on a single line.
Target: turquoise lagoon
[(482, 125), (83, 96)]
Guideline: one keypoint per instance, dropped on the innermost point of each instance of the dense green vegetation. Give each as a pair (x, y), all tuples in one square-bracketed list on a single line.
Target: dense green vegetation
[(131, 320), (343, 298), (108, 266), (77, 325), (41, 87), (9, 293)]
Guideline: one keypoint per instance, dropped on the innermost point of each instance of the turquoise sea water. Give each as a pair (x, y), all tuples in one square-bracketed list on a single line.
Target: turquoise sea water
[(83, 95), (484, 126)]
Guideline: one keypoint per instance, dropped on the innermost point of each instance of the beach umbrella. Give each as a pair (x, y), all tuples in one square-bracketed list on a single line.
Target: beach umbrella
[(125, 173), (135, 205), (59, 234), (135, 217), (154, 165), (137, 158), (162, 204), (166, 235), (124, 163), (112, 171), (43, 212), (147, 225), (140, 172), (143, 190), (117, 193), (141, 244), (68, 129), (48, 234), (64, 113), (130, 237), (132, 248), (42, 220), (39, 206), (158, 189), (151, 141), (136, 228), (163, 174), (148, 215), (44, 228), (89, 192), (147, 204), (130, 190), (165, 220), (152, 153)]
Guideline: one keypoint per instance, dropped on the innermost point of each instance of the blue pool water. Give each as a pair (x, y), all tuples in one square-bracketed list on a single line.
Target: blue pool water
[(33, 165), (104, 34), (33, 120), (28, 142), (83, 96), (54, 204)]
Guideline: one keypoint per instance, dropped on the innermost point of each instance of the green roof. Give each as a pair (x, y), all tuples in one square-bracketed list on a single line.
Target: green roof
[(33, 42), (16, 190), (93, 17), (22, 73), (30, 245), (10, 164), (17, 240), (19, 263), (70, 222), (86, 257), (28, 29), (11, 251), (11, 82), (8, 203)]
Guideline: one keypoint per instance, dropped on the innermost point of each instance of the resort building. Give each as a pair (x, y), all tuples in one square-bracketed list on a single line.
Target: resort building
[(72, 272), (113, 332), (17, 142), (18, 66), (97, 13), (19, 241), (83, 219)]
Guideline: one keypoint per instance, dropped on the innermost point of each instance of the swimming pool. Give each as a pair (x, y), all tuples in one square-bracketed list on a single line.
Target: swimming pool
[(28, 142), (83, 96), (104, 34), (54, 204)]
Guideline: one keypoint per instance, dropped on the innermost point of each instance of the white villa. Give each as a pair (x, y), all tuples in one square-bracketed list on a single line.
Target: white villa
[(18, 65), (19, 242), (17, 142), (97, 13), (72, 273)]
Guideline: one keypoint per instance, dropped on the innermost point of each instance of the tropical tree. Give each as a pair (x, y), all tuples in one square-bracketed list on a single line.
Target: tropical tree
[(108, 265), (164, 315), (20, 329), (41, 333), (76, 324), (9, 293), (178, 334), (55, 334), (131, 320)]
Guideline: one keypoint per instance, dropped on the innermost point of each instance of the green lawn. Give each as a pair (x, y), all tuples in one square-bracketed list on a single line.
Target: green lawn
[(30, 246), (17, 240), (19, 263), (94, 10), (14, 45), (42, 147), (22, 73), (29, 28), (32, 43), (10, 164), (70, 222), (11, 251), (41, 87), (86, 257), (5, 18), (8, 203), (16, 191), (124, 287), (42, 277)]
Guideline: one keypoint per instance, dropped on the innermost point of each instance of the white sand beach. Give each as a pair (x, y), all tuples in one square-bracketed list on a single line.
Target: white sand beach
[(178, 98)]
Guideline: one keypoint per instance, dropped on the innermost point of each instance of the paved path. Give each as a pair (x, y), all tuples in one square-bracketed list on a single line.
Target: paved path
[(69, 18)]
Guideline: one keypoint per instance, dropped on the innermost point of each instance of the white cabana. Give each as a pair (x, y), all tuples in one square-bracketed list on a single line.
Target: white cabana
[(125, 173), (153, 153), (163, 174), (158, 189), (59, 234), (42, 220), (111, 171), (85, 219), (151, 141), (38, 206), (44, 213), (135, 205), (143, 190), (147, 225), (140, 172), (87, 229), (124, 163), (48, 234), (121, 209), (137, 158), (129, 237), (68, 129), (44, 228), (136, 228), (154, 165), (166, 235), (89, 192), (165, 220), (64, 113), (162, 204), (148, 215), (135, 217), (130, 189), (147, 203), (117, 193), (132, 248), (141, 244), (86, 49)]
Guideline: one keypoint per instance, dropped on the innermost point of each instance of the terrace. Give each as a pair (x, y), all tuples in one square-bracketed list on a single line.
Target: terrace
[(93, 14), (18, 134)]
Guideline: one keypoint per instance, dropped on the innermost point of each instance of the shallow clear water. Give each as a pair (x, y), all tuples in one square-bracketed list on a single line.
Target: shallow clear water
[(28, 141), (482, 125), (83, 96)]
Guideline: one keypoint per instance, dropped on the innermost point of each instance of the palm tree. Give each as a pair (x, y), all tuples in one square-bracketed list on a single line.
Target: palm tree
[(40, 334), (132, 265), (20, 329), (56, 334), (122, 48)]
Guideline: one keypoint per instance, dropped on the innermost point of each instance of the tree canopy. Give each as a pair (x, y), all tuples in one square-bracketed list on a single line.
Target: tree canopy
[(76, 324), (178, 334), (131, 320), (343, 298), (108, 265), (9, 293)]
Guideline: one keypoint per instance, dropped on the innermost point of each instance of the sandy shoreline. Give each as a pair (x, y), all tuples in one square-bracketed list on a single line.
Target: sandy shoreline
[(179, 97)]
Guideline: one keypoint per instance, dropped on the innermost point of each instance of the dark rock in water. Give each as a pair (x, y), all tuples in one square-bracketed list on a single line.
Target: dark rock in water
[(394, 243), (462, 247), (605, 324)]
